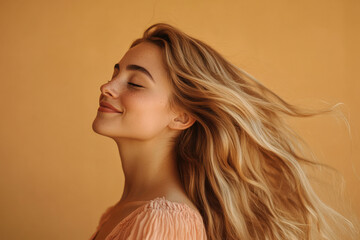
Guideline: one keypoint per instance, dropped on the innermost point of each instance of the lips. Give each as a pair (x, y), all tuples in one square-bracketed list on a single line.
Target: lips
[(108, 107)]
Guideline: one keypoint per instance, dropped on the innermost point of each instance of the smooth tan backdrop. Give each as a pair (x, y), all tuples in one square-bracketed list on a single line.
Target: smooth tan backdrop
[(57, 176)]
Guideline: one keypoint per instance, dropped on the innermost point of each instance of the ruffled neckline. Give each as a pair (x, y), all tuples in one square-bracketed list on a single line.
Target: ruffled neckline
[(160, 203), (156, 203)]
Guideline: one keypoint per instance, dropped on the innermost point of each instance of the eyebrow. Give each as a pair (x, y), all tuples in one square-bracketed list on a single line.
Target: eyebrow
[(134, 67)]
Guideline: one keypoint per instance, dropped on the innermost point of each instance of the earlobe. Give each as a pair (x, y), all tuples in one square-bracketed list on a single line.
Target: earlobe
[(182, 121)]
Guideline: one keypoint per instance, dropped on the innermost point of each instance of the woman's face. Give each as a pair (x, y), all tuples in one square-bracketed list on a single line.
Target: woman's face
[(140, 90)]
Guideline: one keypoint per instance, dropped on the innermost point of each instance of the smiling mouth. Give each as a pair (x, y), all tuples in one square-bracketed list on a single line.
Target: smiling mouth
[(106, 109)]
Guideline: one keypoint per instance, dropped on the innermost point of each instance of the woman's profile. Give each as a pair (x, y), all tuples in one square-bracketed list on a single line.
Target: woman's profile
[(204, 148)]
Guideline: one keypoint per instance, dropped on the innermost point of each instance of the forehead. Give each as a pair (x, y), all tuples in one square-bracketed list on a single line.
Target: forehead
[(147, 55)]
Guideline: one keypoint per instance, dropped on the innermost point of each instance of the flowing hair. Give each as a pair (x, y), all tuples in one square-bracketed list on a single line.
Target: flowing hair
[(240, 162)]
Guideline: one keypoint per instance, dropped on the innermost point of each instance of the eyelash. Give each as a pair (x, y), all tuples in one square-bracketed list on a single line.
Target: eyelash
[(135, 85), (129, 83)]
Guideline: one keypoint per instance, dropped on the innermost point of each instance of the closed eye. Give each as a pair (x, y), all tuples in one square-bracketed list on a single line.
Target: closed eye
[(135, 85)]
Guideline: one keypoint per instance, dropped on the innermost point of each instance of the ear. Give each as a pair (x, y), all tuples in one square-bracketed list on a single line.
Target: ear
[(182, 121)]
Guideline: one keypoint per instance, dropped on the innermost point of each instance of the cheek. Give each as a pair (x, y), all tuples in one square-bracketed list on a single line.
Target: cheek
[(146, 109)]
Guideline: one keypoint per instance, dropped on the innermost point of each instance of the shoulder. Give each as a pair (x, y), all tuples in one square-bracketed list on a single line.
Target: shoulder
[(162, 219)]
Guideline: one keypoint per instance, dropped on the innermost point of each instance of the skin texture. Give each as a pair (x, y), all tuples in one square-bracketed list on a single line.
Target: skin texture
[(144, 130)]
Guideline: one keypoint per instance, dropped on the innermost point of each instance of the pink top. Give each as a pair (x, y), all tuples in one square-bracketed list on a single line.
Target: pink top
[(157, 219)]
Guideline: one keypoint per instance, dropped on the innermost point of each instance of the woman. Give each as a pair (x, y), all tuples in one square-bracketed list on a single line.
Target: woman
[(204, 149)]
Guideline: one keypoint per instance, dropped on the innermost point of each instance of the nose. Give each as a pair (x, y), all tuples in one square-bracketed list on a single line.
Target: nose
[(108, 89)]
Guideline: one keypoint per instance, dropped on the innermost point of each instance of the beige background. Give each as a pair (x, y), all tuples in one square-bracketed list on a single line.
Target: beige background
[(57, 176)]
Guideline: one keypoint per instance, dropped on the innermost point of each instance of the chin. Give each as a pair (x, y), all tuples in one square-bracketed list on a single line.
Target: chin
[(96, 127), (104, 129), (100, 128)]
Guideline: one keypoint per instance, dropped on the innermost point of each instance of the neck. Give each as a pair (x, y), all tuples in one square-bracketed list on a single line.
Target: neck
[(149, 168)]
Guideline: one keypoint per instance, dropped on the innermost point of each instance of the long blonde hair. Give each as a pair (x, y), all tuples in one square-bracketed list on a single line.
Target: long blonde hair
[(240, 163)]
